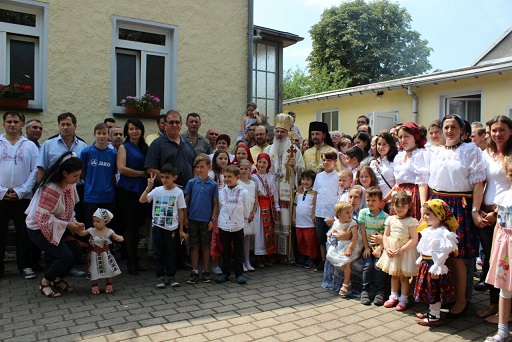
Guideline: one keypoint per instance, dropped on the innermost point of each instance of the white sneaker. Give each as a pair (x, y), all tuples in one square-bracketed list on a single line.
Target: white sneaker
[(245, 267), (249, 267), (216, 270)]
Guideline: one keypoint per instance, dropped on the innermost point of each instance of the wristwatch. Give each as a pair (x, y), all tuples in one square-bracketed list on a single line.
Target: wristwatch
[(213, 220), (474, 209)]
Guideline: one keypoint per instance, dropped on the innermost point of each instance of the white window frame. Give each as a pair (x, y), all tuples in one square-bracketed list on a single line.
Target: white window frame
[(454, 95), (37, 35), (141, 50), (319, 114)]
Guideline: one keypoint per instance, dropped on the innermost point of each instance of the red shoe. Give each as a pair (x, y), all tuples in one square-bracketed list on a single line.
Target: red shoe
[(401, 306), (390, 303)]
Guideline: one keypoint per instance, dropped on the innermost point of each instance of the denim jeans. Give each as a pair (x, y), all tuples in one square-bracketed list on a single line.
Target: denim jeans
[(372, 275), (164, 250)]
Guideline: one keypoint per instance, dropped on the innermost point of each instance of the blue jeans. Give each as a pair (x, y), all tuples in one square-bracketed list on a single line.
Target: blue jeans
[(164, 250), (372, 274), (61, 256)]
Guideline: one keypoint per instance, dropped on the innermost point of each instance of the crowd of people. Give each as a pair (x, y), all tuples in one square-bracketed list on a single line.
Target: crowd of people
[(396, 203)]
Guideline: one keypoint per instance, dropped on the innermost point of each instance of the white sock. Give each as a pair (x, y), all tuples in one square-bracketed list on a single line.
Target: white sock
[(503, 329), (197, 271), (247, 245), (435, 309), (403, 299)]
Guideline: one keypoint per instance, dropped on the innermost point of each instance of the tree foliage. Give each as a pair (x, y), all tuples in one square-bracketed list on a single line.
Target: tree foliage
[(359, 43), (298, 82)]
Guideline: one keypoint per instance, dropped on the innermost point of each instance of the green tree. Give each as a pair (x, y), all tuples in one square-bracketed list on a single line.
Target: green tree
[(298, 82), (360, 43)]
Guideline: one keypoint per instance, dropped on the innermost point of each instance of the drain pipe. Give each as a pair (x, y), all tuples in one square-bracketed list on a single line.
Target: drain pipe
[(250, 48), (414, 104)]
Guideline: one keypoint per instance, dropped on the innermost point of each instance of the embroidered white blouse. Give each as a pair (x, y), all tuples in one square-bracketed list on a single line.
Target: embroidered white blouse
[(413, 170), (456, 170), (437, 243), (384, 169)]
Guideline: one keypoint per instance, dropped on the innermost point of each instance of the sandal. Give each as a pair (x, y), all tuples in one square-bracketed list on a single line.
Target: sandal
[(109, 288), (489, 311), (421, 315), (51, 294), (430, 321), (63, 286), (95, 289), (494, 319), (496, 338), (344, 290)]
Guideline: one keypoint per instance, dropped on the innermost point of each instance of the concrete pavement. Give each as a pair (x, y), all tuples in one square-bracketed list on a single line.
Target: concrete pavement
[(282, 303)]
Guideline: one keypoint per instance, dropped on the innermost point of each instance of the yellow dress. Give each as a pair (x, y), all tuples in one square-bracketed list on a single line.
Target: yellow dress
[(399, 235)]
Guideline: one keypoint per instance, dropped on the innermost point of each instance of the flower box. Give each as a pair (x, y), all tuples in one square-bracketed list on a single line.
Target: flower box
[(132, 110), (9, 103)]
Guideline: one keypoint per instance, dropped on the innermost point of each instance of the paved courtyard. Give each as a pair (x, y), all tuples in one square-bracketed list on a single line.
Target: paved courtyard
[(282, 303)]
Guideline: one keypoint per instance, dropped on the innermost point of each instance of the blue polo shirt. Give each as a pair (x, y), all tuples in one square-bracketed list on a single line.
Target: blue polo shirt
[(201, 195)]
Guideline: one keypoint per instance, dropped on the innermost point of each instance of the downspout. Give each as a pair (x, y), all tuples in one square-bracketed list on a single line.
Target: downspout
[(414, 104), (250, 48)]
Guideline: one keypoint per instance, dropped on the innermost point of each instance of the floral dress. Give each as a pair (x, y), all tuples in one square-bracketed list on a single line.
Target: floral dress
[(101, 262), (499, 271)]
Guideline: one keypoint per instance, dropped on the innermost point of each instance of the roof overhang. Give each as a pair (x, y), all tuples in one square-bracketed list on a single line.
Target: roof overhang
[(277, 36), (413, 81)]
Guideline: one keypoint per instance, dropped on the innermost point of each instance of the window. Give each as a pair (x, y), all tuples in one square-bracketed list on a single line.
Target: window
[(144, 60), (465, 104), (23, 47), (266, 79), (330, 117)]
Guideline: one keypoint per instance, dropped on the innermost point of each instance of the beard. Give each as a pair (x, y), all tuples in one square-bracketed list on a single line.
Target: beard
[(281, 145)]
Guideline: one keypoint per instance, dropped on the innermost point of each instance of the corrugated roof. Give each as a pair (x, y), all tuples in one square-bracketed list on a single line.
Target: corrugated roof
[(503, 65)]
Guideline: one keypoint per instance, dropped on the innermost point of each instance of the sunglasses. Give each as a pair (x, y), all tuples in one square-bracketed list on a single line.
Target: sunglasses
[(172, 122)]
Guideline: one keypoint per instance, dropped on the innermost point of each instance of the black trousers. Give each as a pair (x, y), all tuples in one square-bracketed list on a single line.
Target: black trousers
[(232, 251)]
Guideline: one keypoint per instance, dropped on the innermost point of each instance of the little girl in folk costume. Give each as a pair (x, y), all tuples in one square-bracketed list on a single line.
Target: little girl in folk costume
[(102, 264), (400, 239), (265, 239), (434, 284), (499, 274), (252, 224), (341, 253)]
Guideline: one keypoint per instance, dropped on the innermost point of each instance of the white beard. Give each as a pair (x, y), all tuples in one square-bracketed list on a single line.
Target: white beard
[(281, 146)]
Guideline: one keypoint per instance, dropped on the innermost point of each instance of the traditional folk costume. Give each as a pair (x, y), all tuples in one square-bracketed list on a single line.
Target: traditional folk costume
[(453, 173), (286, 178), (499, 274), (102, 263), (434, 247), (215, 245), (265, 241)]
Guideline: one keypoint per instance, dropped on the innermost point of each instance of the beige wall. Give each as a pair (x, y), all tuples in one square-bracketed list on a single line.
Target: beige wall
[(496, 90), (211, 68)]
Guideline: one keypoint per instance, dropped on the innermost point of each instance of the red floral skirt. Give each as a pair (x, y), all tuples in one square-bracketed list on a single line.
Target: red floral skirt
[(430, 291), (267, 221)]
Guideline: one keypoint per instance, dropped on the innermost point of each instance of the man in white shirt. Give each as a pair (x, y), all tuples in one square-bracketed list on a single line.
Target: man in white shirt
[(18, 169)]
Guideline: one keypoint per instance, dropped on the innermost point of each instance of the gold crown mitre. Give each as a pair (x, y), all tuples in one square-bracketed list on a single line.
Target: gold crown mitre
[(283, 121)]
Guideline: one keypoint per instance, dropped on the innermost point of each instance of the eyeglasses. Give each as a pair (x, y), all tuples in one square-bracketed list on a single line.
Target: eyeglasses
[(172, 122)]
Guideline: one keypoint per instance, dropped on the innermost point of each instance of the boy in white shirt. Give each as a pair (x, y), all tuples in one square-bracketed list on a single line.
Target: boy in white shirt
[(235, 208), (168, 214), (326, 196)]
